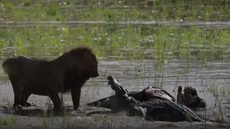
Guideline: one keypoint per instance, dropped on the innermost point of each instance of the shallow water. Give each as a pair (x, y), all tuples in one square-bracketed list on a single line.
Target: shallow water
[(136, 75)]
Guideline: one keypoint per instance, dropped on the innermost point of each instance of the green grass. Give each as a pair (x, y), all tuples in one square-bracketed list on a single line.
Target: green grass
[(113, 39), (8, 121), (157, 42), (100, 9)]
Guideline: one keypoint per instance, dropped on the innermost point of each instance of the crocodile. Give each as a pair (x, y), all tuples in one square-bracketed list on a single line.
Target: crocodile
[(154, 109), (146, 94)]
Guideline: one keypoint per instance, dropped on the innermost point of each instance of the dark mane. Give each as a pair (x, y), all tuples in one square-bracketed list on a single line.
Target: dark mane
[(79, 51)]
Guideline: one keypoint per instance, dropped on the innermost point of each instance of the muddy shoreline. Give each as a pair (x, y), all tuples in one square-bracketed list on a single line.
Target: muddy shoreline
[(78, 119)]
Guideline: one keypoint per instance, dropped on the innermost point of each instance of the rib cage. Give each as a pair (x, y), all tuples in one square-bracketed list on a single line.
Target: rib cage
[(130, 102)]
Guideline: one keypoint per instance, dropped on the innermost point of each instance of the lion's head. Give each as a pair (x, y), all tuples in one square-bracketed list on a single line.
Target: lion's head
[(82, 63)]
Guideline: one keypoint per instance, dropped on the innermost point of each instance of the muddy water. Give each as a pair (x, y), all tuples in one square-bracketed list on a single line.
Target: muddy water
[(133, 75), (202, 24)]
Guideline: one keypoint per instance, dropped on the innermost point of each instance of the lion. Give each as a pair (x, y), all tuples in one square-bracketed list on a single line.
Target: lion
[(68, 72)]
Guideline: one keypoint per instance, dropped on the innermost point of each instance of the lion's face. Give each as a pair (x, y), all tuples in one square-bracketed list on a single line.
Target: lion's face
[(91, 66), (88, 66)]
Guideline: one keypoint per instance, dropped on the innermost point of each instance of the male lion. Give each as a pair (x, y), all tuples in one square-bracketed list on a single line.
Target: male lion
[(48, 78)]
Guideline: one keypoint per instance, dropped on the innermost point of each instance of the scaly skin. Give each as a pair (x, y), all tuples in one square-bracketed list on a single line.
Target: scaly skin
[(146, 94), (155, 109)]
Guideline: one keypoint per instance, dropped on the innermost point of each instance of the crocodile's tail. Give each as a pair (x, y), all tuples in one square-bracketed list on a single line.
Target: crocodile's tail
[(189, 114), (210, 120), (194, 116), (200, 118)]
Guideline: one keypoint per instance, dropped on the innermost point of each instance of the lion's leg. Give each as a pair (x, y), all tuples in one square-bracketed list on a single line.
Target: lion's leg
[(56, 100), (24, 97), (17, 95), (76, 95), (17, 88)]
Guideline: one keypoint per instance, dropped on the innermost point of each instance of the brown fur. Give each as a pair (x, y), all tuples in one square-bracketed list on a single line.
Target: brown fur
[(192, 98), (189, 92), (180, 96), (67, 72)]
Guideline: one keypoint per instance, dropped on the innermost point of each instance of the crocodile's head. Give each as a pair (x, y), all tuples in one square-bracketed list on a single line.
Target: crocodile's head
[(116, 86), (111, 80)]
